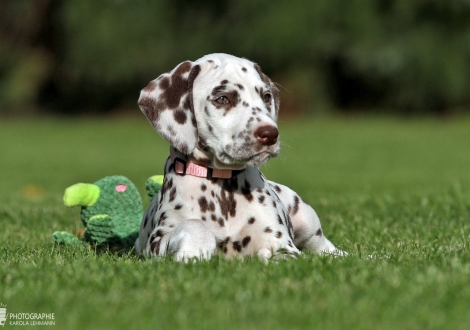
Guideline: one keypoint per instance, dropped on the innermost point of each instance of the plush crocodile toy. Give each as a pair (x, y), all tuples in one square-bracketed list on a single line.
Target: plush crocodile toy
[(111, 211)]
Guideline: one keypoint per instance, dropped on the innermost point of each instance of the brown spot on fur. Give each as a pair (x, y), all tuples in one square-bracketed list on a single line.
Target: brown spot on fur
[(227, 203), (230, 185), (278, 234), (211, 206), (203, 187), (224, 82), (180, 116), (187, 103), (150, 107), (269, 83), (150, 87), (146, 220), (234, 98), (251, 220), (173, 93), (295, 208), (261, 199), (223, 243), (164, 83), (240, 86), (172, 194), (246, 240), (203, 204), (268, 230), (193, 120), (178, 206), (155, 247), (237, 246), (218, 89), (247, 192), (319, 232), (162, 218)]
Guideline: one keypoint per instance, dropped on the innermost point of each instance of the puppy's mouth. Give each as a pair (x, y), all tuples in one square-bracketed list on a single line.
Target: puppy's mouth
[(255, 159)]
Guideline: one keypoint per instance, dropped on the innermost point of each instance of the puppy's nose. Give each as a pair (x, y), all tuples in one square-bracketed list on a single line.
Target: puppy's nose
[(267, 135)]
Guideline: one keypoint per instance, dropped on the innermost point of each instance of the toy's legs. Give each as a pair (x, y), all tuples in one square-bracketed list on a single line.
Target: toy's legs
[(62, 237)]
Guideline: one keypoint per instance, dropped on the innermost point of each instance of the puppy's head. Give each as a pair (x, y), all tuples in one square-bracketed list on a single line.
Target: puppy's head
[(220, 110)]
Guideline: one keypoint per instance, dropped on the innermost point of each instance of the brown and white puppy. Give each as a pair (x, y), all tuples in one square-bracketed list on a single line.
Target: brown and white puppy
[(219, 114)]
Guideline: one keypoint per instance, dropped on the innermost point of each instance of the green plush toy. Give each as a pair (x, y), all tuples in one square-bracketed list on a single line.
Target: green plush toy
[(111, 210)]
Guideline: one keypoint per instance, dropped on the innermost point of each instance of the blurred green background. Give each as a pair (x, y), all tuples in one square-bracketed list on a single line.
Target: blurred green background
[(395, 187), (88, 56)]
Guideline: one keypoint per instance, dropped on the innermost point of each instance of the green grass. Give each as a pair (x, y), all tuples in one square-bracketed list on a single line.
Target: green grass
[(394, 193)]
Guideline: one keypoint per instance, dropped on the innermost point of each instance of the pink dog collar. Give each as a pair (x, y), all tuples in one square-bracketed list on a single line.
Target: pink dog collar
[(185, 167)]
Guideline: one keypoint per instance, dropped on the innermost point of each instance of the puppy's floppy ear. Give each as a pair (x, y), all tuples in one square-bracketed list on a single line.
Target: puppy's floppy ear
[(274, 89), (168, 103)]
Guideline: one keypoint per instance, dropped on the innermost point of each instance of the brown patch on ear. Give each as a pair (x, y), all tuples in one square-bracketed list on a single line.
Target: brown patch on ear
[(180, 116), (150, 107), (164, 83), (192, 75), (168, 103), (151, 86), (179, 86), (274, 89)]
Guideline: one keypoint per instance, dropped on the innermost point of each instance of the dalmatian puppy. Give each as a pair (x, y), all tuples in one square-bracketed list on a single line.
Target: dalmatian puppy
[(219, 114)]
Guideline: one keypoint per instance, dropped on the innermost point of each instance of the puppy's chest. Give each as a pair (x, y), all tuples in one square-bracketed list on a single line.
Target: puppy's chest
[(225, 205)]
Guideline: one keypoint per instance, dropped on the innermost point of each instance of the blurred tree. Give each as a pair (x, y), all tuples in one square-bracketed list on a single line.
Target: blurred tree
[(25, 60), (411, 56)]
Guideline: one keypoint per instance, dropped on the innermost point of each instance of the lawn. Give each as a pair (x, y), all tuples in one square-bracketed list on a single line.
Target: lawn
[(394, 193)]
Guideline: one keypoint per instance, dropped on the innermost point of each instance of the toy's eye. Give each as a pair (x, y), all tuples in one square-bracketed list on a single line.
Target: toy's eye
[(222, 100), (267, 97), (121, 188)]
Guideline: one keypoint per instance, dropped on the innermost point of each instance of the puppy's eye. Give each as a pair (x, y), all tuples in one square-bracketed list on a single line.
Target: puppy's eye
[(222, 100), (267, 97)]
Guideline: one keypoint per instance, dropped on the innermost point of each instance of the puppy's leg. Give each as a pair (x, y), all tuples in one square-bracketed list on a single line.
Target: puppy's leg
[(190, 239), (308, 234)]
